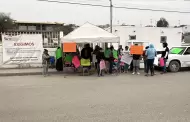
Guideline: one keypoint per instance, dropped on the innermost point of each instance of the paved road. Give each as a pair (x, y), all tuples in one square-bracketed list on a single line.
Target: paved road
[(124, 98)]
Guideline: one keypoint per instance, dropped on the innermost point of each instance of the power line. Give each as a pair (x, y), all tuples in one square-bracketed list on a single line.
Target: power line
[(119, 7), (74, 3)]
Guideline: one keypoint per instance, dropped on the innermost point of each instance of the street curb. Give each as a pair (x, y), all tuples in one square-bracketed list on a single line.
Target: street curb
[(24, 74)]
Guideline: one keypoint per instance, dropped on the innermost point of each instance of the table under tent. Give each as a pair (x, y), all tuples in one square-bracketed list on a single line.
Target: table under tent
[(88, 33)]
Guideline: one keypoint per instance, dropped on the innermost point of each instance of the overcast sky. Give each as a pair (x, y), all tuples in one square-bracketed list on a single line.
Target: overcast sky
[(33, 10)]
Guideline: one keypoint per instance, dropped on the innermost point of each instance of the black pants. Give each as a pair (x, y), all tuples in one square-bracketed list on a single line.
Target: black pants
[(111, 66), (96, 65), (59, 64), (98, 69), (131, 66), (145, 66), (150, 66)]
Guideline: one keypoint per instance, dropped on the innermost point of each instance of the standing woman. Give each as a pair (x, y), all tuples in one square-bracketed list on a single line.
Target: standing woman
[(150, 53), (59, 60)]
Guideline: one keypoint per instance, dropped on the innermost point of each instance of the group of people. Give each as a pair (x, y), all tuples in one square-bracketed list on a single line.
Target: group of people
[(110, 56), (149, 57)]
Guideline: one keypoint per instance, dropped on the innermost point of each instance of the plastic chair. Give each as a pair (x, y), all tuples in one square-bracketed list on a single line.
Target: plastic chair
[(85, 63)]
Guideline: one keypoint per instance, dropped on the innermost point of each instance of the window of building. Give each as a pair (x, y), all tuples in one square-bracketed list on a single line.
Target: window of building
[(32, 28), (43, 27), (132, 37), (38, 27), (22, 28), (49, 28), (163, 39)]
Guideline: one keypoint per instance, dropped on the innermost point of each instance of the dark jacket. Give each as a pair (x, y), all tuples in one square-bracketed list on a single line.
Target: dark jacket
[(136, 57), (100, 56), (86, 53)]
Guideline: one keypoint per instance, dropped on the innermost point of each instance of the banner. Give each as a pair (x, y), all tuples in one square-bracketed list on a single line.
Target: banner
[(22, 49), (69, 47), (126, 59), (136, 50)]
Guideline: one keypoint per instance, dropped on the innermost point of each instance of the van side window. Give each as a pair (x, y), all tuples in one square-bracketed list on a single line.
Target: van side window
[(187, 52)]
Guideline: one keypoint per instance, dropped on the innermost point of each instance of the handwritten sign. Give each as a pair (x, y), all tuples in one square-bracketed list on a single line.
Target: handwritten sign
[(69, 47), (126, 59), (76, 62), (136, 50)]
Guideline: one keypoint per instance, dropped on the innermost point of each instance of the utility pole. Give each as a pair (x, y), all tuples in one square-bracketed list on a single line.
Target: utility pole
[(111, 15), (111, 19)]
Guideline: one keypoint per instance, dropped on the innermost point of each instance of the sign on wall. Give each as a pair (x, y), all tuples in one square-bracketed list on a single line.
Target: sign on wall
[(22, 49)]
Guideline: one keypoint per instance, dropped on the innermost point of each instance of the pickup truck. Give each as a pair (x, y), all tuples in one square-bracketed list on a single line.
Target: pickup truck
[(179, 57)]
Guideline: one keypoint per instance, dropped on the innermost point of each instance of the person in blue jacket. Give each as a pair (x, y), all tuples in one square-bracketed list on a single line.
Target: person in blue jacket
[(151, 54)]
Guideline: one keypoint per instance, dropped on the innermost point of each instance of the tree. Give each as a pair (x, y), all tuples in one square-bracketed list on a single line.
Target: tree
[(68, 28), (6, 22), (162, 23)]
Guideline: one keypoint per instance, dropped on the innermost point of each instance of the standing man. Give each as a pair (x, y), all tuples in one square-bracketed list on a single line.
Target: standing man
[(145, 59), (136, 63), (45, 62), (165, 54), (59, 60)]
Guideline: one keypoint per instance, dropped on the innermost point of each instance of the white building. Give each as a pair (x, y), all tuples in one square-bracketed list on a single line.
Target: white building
[(154, 35)]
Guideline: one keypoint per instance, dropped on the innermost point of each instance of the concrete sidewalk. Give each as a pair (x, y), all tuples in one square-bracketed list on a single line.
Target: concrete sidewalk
[(22, 72)]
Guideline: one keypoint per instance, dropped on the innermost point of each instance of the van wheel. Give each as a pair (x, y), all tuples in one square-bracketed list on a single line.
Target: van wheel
[(174, 66)]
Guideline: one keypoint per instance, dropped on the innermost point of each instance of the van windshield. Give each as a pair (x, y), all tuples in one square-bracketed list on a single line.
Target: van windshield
[(177, 50)]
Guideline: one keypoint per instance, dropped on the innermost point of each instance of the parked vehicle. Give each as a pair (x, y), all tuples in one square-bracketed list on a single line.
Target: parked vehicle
[(179, 57)]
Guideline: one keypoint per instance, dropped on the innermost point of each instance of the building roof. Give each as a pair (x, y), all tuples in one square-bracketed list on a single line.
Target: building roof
[(45, 23)]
